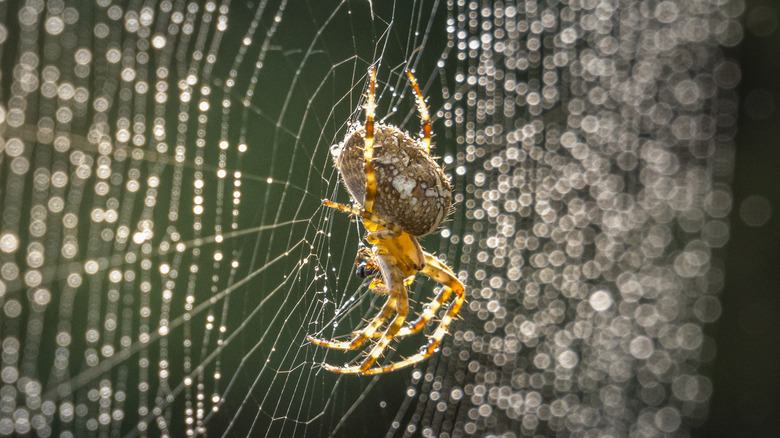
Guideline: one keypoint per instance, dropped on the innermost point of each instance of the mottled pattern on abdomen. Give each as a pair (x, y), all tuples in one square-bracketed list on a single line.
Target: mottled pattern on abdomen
[(412, 190)]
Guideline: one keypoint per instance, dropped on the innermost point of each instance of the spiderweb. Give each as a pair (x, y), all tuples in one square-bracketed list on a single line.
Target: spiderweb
[(164, 252)]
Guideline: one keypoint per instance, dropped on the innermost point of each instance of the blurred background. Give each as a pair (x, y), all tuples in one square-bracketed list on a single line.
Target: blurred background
[(164, 252)]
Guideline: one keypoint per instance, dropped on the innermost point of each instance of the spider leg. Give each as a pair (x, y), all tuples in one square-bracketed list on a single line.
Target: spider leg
[(366, 216), (368, 149), (359, 337), (430, 309), (395, 285), (441, 273), (423, 110), (433, 269)]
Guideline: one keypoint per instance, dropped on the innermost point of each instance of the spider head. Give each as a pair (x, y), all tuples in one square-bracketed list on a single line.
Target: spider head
[(365, 264), (364, 270)]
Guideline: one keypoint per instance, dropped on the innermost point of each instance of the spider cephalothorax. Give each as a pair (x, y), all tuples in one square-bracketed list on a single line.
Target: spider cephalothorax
[(402, 194)]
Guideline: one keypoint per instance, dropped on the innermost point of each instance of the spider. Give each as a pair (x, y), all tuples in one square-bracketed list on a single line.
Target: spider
[(401, 194)]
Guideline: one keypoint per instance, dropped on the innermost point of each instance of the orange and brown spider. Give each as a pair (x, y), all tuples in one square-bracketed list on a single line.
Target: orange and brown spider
[(402, 194)]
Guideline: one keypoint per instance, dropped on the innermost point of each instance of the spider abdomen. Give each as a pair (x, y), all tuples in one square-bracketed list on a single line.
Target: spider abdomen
[(412, 191)]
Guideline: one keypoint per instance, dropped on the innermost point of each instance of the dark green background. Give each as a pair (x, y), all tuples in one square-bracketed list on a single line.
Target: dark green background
[(746, 372)]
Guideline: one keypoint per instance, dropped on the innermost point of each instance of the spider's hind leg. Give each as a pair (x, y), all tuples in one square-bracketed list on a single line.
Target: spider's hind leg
[(423, 110), (368, 148)]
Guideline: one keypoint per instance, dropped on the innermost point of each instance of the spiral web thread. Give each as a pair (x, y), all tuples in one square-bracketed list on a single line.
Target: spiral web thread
[(163, 251)]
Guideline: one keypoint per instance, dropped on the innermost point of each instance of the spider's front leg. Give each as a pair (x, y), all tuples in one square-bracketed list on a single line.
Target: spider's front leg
[(359, 337), (371, 329), (439, 272), (442, 274), (398, 300)]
